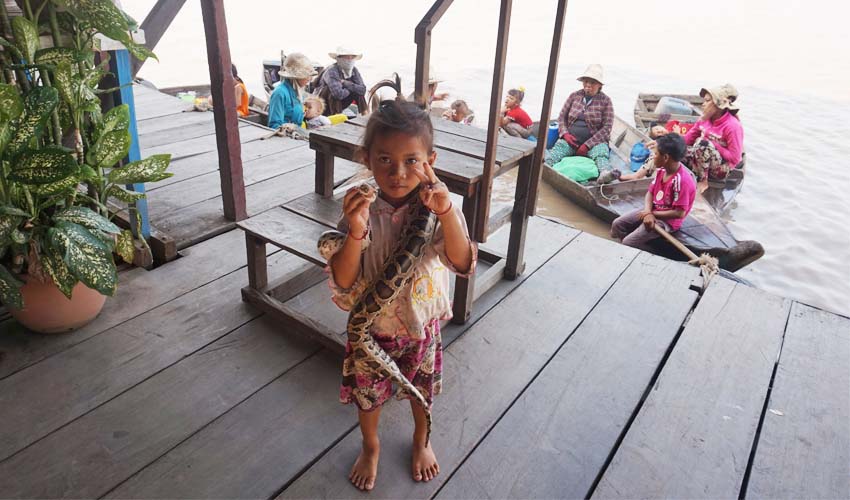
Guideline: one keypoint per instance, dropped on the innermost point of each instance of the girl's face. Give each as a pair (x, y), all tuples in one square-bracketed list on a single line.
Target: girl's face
[(510, 102), (392, 160), (709, 109)]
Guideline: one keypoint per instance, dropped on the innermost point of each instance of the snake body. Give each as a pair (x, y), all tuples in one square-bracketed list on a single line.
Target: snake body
[(397, 272)]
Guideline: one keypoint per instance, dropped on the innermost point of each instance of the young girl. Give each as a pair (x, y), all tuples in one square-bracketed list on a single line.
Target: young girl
[(516, 121), (398, 150)]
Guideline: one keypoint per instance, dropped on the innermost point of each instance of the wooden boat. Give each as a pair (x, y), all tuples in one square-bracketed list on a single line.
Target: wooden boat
[(646, 117), (703, 230)]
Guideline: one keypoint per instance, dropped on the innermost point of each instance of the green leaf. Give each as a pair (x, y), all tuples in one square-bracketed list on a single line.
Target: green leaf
[(10, 210), (26, 37), (125, 195), (11, 105), (63, 187), (54, 56), (11, 47), (39, 103), (117, 118), (88, 173), (52, 262), (103, 16), (124, 246), (89, 264), (10, 289), (140, 52), (87, 218), (43, 166), (63, 79), (110, 148), (83, 236), (150, 169), (7, 130), (8, 223), (20, 237)]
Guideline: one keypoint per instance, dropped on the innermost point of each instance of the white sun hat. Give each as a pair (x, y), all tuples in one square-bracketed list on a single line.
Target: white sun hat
[(345, 51), (594, 72)]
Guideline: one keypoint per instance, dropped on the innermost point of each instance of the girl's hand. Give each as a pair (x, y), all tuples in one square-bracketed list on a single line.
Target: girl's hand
[(433, 192), (355, 208)]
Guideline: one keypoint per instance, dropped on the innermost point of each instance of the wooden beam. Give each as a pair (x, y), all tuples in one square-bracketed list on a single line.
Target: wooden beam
[(486, 186), (226, 122), (156, 24), (422, 37), (546, 111)]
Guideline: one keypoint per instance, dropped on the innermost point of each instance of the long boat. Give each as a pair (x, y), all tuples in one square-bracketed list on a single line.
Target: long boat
[(703, 230)]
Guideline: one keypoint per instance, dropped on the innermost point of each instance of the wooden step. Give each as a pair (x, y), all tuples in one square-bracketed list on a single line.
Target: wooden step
[(288, 230)]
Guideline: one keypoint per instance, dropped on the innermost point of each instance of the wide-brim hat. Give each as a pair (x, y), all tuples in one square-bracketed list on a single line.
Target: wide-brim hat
[(343, 51), (723, 96), (594, 72), (297, 66)]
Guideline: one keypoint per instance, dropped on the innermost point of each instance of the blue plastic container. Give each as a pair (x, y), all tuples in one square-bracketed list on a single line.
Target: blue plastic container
[(552, 135)]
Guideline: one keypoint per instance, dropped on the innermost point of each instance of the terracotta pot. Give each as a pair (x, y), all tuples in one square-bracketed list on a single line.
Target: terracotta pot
[(47, 310)]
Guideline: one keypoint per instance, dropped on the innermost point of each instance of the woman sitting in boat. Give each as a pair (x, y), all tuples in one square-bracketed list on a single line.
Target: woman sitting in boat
[(668, 200), (716, 142), (585, 122), (285, 104), (341, 84)]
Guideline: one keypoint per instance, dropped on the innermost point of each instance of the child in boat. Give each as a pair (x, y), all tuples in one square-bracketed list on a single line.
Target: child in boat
[(515, 121), (459, 112), (398, 149), (668, 200), (314, 106)]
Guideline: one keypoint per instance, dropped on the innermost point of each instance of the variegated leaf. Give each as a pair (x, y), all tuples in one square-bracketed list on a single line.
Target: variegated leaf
[(124, 246), (7, 130), (84, 237), (140, 52), (11, 105), (103, 15), (63, 79), (65, 186), (8, 223), (54, 56), (43, 166), (150, 169), (10, 289), (39, 103), (20, 237), (88, 218), (117, 118), (110, 148), (91, 265), (125, 195), (10, 210), (52, 262), (26, 37)]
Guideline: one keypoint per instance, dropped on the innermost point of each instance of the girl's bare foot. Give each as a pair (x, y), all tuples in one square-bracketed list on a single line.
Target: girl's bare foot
[(425, 466), (365, 469)]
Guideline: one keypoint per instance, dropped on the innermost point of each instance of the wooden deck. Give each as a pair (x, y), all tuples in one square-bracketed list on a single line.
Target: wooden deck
[(599, 373)]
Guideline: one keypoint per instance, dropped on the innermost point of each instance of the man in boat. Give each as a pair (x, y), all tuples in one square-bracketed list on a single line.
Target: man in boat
[(341, 84), (585, 122), (668, 200)]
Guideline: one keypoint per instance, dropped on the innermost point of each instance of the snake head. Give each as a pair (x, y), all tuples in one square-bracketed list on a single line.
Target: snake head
[(329, 243)]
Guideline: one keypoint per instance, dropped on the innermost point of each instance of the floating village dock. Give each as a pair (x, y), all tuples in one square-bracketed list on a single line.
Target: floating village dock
[(602, 371)]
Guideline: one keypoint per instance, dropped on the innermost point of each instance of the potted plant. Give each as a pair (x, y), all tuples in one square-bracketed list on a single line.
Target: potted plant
[(60, 163)]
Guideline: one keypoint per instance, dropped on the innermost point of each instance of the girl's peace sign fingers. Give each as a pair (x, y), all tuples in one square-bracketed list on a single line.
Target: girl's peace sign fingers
[(429, 171)]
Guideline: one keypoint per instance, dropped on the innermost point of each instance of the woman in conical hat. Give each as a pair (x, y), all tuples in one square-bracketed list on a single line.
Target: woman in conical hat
[(341, 84), (585, 121)]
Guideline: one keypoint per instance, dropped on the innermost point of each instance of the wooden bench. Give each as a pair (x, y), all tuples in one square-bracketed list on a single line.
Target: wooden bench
[(296, 228)]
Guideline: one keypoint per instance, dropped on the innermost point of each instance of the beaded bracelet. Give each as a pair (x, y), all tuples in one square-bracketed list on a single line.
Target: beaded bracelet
[(444, 212), (365, 234)]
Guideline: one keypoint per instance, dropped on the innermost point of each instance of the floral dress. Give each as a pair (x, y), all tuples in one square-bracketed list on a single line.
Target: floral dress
[(409, 330)]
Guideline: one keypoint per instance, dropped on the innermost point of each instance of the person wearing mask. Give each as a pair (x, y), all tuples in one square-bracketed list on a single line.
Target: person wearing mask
[(341, 84)]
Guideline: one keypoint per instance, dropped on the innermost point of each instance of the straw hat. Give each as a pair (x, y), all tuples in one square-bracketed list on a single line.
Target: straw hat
[(594, 72), (723, 96), (297, 66), (343, 51)]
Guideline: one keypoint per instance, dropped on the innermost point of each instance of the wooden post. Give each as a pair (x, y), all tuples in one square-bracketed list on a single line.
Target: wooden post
[(226, 122), (156, 23), (422, 37), (545, 113), (486, 187)]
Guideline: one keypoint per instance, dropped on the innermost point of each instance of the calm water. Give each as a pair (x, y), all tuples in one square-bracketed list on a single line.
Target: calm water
[(786, 61)]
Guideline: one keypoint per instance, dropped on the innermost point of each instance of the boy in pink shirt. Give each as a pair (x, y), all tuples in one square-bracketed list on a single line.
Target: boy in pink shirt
[(668, 200)]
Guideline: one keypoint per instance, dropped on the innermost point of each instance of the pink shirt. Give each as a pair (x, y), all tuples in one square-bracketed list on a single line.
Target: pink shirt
[(678, 192), (427, 297), (725, 132)]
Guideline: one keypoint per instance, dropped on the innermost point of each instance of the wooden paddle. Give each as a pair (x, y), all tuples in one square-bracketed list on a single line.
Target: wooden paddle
[(707, 263)]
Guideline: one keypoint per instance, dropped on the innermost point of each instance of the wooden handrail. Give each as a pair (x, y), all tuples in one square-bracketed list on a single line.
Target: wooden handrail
[(422, 37)]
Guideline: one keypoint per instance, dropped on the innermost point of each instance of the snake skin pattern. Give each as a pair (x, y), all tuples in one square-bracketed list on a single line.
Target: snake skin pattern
[(369, 358)]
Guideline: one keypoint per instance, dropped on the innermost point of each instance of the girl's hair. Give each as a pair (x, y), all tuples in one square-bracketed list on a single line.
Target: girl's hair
[(320, 103), (460, 106), (397, 115), (518, 93), (235, 73), (672, 144)]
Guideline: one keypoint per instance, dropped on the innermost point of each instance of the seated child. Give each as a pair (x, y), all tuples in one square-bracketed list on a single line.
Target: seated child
[(668, 200), (515, 121), (459, 112), (314, 106)]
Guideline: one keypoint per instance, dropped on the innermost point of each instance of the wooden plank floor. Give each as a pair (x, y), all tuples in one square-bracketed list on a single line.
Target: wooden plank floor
[(599, 373)]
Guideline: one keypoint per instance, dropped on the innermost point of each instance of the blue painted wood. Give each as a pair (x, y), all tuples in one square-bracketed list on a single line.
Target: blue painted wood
[(122, 67)]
